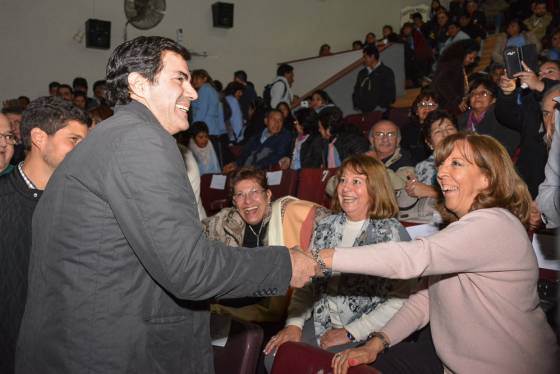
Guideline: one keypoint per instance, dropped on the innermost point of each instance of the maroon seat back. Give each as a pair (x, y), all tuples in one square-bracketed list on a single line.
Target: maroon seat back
[(302, 358), (241, 352), (287, 184), (213, 199), (400, 116), (312, 183), (363, 121)]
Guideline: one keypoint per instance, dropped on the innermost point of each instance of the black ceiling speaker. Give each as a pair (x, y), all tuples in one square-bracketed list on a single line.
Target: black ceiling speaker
[(222, 15), (98, 34)]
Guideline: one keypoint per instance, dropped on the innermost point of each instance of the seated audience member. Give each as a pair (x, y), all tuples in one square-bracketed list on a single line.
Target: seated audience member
[(98, 114), (319, 100), (516, 35), (13, 110), (265, 150), (341, 310), (7, 142), (24, 102), (473, 29), (411, 133), (80, 100), (481, 302), (325, 50), (80, 84), (287, 117), (51, 127), (454, 34), (53, 88), (203, 149), (385, 139), (553, 53), (495, 72), (281, 87), (357, 45), (341, 140), (208, 109), (539, 20), (253, 221), (450, 77), (520, 110), (193, 174), (374, 89), (438, 35), (439, 125), (100, 92), (232, 93), (65, 92), (249, 96), (370, 39), (548, 70), (548, 200), (308, 145), (481, 118)]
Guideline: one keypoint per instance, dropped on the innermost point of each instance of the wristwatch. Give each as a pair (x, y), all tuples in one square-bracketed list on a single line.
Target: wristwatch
[(350, 336), (382, 338)]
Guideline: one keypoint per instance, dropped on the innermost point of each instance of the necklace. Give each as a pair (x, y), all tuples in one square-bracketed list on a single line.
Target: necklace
[(258, 235)]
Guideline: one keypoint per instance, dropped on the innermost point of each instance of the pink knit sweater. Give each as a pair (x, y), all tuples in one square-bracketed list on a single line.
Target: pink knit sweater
[(482, 301)]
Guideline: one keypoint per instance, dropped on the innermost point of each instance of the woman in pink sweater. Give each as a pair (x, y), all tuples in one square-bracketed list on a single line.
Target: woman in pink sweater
[(481, 300)]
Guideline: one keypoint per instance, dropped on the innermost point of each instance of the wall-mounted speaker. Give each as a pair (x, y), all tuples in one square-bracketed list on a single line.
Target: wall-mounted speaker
[(222, 15), (98, 34)]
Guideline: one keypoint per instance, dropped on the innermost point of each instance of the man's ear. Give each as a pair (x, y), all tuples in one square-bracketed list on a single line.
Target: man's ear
[(137, 84), (38, 137)]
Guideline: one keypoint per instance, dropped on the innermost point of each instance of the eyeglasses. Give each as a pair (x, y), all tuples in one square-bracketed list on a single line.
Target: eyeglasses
[(9, 138), (481, 93), (253, 194), (383, 134), (427, 104)]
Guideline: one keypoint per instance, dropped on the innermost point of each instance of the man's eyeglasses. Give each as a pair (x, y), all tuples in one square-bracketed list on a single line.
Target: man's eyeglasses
[(253, 194), (427, 104), (383, 134), (9, 138)]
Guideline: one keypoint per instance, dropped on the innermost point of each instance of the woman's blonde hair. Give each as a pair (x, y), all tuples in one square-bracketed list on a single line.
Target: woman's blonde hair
[(383, 202), (505, 188)]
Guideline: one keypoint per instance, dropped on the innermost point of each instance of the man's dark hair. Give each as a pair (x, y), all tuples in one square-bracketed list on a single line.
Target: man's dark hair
[(98, 83), (241, 75), (64, 85), (486, 83), (309, 121), (415, 16), (50, 114), (548, 61), (371, 50), (454, 23), (284, 69), (142, 55), (12, 106), (198, 127), (233, 87), (269, 113), (54, 84), (331, 118), (80, 93), (79, 82)]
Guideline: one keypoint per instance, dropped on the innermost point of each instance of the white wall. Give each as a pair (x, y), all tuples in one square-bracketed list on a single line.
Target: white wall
[(37, 43)]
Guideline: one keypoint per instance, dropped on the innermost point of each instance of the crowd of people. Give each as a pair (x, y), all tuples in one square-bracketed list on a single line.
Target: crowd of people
[(110, 263)]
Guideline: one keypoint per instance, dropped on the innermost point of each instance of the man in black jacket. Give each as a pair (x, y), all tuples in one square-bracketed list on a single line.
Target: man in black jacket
[(375, 86), (51, 127), (120, 268)]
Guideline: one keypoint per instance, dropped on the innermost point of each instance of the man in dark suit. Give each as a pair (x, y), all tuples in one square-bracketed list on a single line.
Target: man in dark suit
[(120, 269), (375, 86)]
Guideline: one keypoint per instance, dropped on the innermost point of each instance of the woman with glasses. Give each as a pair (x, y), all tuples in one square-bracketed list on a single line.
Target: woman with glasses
[(254, 221), (341, 310), (439, 125), (7, 142), (411, 133), (480, 116)]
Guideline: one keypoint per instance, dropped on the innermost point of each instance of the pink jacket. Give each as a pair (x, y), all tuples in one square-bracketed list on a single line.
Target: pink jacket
[(481, 302)]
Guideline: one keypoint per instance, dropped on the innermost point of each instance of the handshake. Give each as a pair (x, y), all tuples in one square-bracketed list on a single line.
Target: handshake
[(308, 265)]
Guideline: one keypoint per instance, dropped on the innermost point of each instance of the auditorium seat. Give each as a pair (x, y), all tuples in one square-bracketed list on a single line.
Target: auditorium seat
[(213, 198), (242, 350), (400, 116), (302, 358), (287, 184), (312, 183), (363, 121)]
